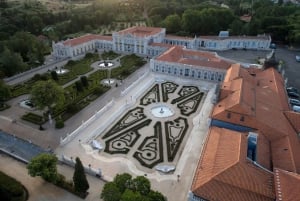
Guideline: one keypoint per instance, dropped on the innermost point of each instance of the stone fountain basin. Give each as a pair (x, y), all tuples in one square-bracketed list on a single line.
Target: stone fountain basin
[(162, 111)]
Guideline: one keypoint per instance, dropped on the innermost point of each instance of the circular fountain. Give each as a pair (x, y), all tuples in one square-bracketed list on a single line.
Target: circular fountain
[(162, 111), (61, 71), (106, 64)]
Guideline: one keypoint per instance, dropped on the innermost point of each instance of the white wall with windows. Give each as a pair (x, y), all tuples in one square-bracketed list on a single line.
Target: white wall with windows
[(187, 71)]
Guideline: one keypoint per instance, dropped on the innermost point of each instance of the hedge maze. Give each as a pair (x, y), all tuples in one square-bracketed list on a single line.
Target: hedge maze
[(131, 117), (150, 152), (168, 88), (175, 131), (151, 97), (148, 140)]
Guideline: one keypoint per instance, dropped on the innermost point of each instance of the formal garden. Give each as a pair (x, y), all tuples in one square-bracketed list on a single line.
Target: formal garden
[(155, 130), (77, 94)]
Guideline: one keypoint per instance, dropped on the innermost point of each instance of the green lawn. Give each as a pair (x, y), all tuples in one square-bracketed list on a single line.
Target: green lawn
[(78, 99)]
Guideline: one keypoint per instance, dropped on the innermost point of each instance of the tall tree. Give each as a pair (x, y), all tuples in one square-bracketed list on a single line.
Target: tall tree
[(43, 165), (81, 184), (47, 94), (122, 181), (11, 63), (125, 188), (142, 185), (172, 23), (110, 192), (5, 92)]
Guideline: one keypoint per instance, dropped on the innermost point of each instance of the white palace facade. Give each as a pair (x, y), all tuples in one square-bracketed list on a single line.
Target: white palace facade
[(180, 56)]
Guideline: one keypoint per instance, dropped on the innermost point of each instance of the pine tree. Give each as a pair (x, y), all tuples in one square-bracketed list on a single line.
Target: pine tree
[(81, 184)]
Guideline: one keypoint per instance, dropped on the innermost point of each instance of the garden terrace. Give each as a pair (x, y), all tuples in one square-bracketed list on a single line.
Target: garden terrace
[(151, 140)]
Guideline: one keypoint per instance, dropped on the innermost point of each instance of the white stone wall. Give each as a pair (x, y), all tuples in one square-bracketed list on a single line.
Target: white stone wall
[(230, 43), (187, 71)]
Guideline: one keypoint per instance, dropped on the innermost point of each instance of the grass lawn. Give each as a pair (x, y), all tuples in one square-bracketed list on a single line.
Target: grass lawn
[(78, 99)]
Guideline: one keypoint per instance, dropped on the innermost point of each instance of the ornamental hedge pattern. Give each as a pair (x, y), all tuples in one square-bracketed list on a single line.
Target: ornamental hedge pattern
[(147, 139)]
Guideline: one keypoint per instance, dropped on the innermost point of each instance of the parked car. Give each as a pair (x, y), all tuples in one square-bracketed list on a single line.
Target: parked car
[(292, 89), (298, 58), (294, 101), (296, 108), (293, 95)]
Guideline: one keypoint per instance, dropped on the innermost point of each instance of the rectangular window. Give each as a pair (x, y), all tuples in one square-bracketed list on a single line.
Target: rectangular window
[(186, 72)]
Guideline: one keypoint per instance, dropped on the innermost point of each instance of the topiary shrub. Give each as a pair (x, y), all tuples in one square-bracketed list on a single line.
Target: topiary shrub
[(59, 123)]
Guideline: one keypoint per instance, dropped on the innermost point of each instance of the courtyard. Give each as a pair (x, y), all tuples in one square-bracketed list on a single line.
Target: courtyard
[(156, 121), (155, 130)]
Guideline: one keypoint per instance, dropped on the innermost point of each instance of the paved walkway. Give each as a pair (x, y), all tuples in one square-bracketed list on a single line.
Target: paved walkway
[(168, 184), (40, 190)]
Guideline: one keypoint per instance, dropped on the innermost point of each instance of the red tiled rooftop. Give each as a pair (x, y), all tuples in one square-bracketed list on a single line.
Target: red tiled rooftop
[(261, 100), (294, 119), (287, 186), (178, 54), (225, 173), (141, 31), (86, 38)]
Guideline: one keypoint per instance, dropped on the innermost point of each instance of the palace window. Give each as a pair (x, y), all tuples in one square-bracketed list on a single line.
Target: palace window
[(186, 72)]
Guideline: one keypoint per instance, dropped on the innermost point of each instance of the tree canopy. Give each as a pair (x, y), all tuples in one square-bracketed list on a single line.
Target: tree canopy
[(124, 188), (46, 94), (81, 184), (5, 92), (43, 165)]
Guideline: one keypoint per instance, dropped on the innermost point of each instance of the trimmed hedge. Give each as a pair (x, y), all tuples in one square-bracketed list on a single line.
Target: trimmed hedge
[(131, 143), (11, 189), (145, 146), (172, 148), (34, 118)]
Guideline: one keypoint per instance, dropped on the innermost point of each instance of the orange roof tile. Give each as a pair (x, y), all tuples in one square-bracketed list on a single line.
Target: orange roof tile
[(261, 100), (141, 31), (287, 185), (184, 56), (294, 119), (225, 173), (263, 149), (85, 38)]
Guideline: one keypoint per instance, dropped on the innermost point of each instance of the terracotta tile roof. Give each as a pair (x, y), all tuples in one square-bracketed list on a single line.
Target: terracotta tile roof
[(294, 119), (141, 31), (181, 55), (85, 38), (261, 101), (225, 173), (263, 149), (287, 185), (178, 37)]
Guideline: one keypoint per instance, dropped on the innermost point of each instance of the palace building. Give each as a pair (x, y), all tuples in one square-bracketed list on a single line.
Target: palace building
[(174, 55), (152, 41)]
